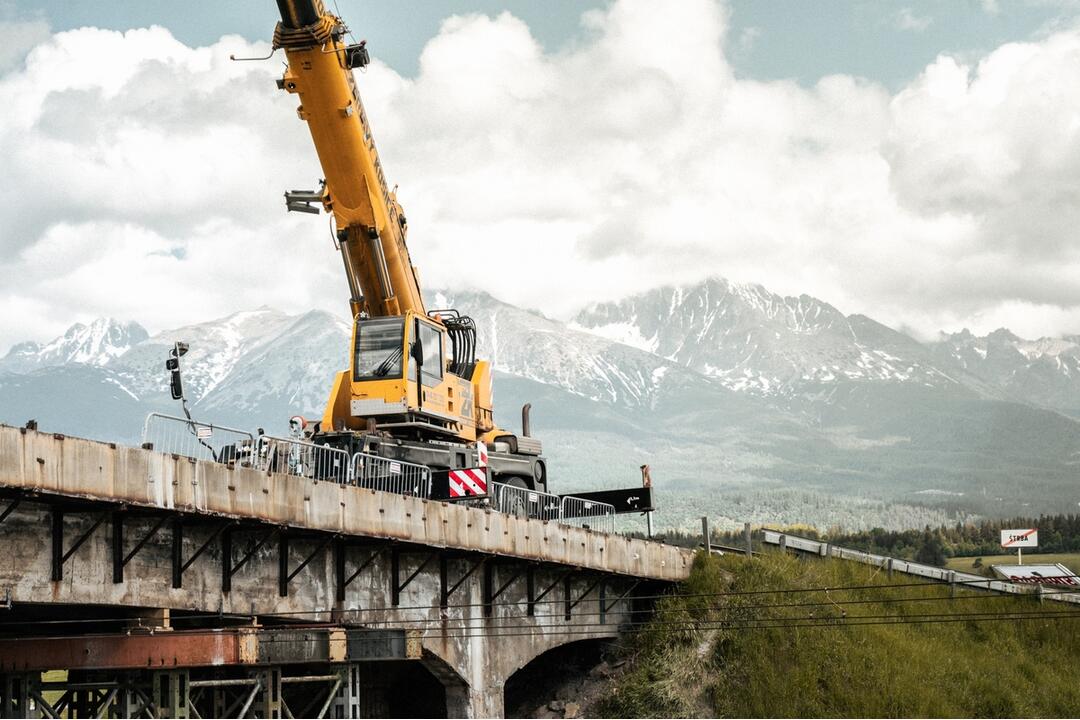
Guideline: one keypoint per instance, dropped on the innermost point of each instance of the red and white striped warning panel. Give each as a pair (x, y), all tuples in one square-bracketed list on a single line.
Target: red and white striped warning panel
[(468, 483), (481, 454)]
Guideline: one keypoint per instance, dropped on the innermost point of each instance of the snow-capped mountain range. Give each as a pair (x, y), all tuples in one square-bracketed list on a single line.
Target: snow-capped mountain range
[(716, 380), (99, 343), (755, 341), (765, 344)]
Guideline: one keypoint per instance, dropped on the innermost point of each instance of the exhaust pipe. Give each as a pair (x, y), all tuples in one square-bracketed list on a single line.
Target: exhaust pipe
[(525, 424)]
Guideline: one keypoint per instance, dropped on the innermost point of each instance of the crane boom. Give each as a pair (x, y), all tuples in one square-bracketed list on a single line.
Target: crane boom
[(415, 390), (371, 226)]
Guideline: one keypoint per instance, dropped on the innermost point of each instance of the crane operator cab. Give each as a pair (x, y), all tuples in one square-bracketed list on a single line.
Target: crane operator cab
[(406, 375), (415, 373), (415, 391)]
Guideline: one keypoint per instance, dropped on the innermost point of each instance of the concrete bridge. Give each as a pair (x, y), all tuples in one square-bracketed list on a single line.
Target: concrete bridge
[(168, 586)]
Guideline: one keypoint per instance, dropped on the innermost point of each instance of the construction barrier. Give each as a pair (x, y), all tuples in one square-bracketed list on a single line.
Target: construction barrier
[(193, 439), (301, 458), (394, 476), (588, 514), (523, 502)]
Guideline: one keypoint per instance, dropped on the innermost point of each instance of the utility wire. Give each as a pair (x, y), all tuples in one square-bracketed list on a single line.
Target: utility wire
[(742, 624), (708, 616), (357, 614)]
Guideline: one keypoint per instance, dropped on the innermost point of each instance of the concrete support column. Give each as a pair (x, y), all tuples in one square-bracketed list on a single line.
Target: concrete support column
[(463, 701)]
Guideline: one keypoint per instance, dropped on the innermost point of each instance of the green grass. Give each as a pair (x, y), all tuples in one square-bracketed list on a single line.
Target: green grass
[(52, 696), (966, 564), (954, 669)]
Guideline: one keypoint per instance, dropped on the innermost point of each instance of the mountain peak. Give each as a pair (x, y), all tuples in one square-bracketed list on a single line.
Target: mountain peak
[(95, 344), (1003, 335), (757, 341)]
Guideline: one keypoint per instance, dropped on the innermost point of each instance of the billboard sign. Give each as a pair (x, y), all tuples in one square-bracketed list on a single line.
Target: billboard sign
[(1046, 574), (1023, 538)]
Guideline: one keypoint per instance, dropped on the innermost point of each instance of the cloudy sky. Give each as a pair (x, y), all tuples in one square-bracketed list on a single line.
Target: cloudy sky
[(918, 162)]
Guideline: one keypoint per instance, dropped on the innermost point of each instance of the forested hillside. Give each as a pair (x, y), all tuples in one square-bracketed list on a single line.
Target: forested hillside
[(932, 545), (762, 637)]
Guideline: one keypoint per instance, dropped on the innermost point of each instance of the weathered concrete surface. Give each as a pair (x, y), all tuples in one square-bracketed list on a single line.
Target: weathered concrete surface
[(43, 462), (472, 654)]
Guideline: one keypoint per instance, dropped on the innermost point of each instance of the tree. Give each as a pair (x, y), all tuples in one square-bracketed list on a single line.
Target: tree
[(931, 550)]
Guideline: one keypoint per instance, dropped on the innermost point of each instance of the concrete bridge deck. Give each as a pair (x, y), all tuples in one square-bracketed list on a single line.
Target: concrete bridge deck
[(90, 529), (41, 462)]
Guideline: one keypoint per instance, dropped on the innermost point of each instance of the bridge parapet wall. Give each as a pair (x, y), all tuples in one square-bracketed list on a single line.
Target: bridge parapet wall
[(42, 462)]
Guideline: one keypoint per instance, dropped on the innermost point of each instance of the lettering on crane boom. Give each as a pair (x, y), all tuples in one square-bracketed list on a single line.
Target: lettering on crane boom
[(369, 140), (633, 500)]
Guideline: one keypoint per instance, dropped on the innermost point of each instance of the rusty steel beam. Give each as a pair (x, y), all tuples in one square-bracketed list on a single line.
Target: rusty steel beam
[(228, 567), (530, 590), (505, 585), (444, 591), (10, 508), (59, 556), (396, 586), (339, 568), (204, 648), (108, 652)]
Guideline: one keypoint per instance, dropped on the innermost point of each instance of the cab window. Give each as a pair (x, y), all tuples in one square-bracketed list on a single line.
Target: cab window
[(432, 369), (380, 345)]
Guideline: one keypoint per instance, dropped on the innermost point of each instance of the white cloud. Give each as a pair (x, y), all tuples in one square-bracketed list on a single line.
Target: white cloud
[(146, 176), (18, 35), (906, 19)]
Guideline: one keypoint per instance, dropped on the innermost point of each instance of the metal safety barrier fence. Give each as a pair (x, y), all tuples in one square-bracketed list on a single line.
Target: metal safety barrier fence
[(522, 502), (301, 458), (589, 514), (395, 476), (193, 439)]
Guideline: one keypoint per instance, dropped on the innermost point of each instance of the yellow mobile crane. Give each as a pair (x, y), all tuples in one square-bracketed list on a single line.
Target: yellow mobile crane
[(415, 389)]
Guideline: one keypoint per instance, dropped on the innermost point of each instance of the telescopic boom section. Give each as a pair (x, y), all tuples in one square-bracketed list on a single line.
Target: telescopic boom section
[(371, 226)]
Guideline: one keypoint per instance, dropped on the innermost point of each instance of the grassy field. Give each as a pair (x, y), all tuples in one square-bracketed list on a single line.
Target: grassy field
[(712, 653), (966, 564)]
